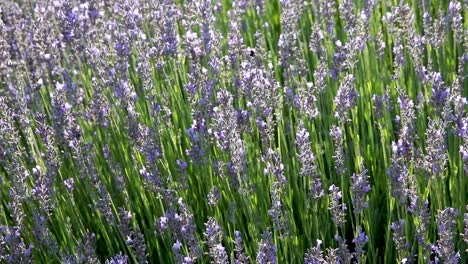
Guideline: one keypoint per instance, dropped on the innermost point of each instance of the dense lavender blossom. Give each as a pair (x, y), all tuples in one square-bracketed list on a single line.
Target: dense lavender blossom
[(197, 133), (358, 38), (347, 15), (235, 38), (434, 29), (262, 94), (360, 187), (133, 236), (406, 120), (308, 163), (168, 13), (436, 149), (314, 255), (53, 161), (339, 59), (439, 91), (180, 224), (104, 204), (346, 98), (215, 236), (306, 100), (399, 22), (228, 137), (179, 257), (401, 180), (455, 18), (267, 249), (326, 10), (12, 151), (316, 39), (291, 12), (398, 236), (445, 247), (148, 145), (456, 115), (64, 122), (118, 259), (12, 246), (277, 213)]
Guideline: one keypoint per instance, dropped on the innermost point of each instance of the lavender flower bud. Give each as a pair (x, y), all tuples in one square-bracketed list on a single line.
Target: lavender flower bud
[(446, 222), (436, 149)]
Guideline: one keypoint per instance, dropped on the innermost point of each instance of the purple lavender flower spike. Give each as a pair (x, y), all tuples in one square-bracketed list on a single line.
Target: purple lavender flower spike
[(339, 156), (360, 187), (337, 209), (398, 235), (267, 249), (215, 237), (360, 241), (465, 233), (445, 248), (346, 98), (436, 149), (343, 253), (118, 259), (240, 256), (314, 255), (307, 160)]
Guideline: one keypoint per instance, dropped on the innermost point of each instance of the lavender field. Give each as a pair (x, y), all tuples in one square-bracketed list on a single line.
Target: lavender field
[(233, 131)]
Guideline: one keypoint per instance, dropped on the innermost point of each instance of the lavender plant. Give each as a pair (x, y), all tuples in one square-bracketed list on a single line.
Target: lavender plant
[(168, 131)]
